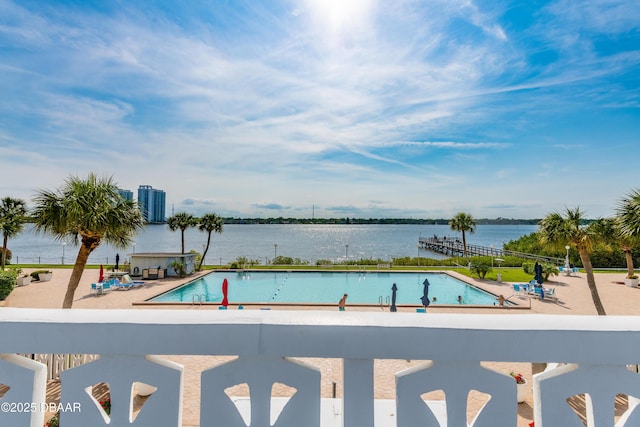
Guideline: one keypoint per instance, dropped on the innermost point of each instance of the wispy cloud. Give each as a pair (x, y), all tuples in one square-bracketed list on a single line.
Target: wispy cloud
[(296, 103)]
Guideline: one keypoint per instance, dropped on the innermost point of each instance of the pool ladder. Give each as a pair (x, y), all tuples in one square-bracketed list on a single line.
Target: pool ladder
[(387, 302), (198, 299)]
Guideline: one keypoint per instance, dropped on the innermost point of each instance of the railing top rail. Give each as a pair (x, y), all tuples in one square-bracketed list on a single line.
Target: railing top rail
[(592, 339)]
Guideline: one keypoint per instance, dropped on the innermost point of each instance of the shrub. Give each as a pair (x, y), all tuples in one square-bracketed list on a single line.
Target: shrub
[(549, 270), (7, 282), (528, 267), (480, 269), (180, 268), (53, 421), (240, 262), (287, 260), (9, 254)]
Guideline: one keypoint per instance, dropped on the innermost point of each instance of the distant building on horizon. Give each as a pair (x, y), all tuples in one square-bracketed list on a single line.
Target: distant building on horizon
[(126, 194), (152, 204)]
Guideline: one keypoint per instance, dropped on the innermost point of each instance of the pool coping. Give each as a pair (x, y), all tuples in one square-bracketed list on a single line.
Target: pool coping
[(147, 302)]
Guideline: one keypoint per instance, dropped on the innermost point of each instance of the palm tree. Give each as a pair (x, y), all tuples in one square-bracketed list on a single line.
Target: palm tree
[(210, 223), (628, 222), (610, 231), (13, 215), (181, 221), (557, 231), (463, 222), (89, 210)]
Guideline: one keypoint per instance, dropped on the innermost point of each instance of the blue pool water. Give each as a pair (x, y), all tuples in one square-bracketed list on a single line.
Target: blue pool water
[(326, 288)]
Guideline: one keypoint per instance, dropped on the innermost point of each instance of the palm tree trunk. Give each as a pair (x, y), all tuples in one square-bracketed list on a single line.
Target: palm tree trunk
[(76, 274), (4, 250), (629, 259), (206, 249), (591, 281), (182, 236), (464, 243)]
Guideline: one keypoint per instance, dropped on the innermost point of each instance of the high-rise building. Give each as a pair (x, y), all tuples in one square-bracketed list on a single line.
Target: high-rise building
[(152, 204), (126, 194)]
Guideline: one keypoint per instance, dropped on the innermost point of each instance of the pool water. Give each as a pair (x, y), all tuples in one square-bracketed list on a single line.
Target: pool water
[(326, 288)]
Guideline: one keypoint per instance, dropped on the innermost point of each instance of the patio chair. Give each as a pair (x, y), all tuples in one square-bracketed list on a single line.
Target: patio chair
[(100, 288), (95, 287), (520, 288), (550, 293)]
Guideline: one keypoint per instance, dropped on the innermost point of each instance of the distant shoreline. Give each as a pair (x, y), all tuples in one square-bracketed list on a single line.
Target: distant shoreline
[(376, 221)]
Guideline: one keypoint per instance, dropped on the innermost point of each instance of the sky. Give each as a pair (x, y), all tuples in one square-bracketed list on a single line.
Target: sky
[(330, 108)]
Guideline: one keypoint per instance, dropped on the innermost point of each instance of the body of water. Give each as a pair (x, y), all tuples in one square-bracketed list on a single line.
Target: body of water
[(371, 288), (263, 242)]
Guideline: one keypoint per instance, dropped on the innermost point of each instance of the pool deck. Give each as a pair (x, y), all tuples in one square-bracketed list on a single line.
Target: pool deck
[(572, 292)]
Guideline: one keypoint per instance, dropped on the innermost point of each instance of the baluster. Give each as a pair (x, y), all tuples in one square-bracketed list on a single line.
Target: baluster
[(357, 401)]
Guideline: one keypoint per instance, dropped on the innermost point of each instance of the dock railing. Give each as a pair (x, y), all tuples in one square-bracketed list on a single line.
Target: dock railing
[(131, 343), (454, 247)]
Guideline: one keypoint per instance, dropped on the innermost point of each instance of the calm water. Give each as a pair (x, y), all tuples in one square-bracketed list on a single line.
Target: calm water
[(263, 241), (326, 288)]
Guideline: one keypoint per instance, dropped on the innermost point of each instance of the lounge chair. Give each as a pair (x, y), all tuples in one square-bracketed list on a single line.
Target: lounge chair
[(126, 279), (116, 284), (544, 293)]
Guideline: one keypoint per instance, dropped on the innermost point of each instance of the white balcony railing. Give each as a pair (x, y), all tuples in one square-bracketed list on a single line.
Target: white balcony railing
[(598, 350)]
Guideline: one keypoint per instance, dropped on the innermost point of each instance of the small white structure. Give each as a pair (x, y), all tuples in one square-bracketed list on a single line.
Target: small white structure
[(157, 265)]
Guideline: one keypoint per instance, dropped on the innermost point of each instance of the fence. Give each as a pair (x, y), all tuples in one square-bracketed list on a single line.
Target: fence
[(130, 343)]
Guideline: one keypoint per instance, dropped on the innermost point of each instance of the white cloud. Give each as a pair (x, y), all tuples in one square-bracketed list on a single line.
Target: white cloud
[(423, 96)]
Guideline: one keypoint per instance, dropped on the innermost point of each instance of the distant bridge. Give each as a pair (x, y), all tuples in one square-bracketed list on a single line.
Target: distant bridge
[(453, 246)]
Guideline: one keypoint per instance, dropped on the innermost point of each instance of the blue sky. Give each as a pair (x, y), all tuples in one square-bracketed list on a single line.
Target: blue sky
[(358, 108)]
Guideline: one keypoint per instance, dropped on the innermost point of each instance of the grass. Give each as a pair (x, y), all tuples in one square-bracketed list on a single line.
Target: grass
[(45, 266), (509, 274)]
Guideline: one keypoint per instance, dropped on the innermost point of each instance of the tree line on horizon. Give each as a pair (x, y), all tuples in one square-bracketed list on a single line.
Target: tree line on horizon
[(382, 221)]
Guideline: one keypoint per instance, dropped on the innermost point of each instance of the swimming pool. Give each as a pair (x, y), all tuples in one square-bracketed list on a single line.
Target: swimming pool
[(370, 288)]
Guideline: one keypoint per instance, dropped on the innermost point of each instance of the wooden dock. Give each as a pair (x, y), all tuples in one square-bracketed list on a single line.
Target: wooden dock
[(453, 246)]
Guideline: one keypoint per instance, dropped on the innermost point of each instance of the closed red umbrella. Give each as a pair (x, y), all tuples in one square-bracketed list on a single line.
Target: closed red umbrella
[(101, 273), (225, 291)]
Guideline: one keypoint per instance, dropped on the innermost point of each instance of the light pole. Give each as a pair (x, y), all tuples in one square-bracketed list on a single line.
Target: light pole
[(63, 244), (499, 275), (567, 264), (346, 251), (275, 250)]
